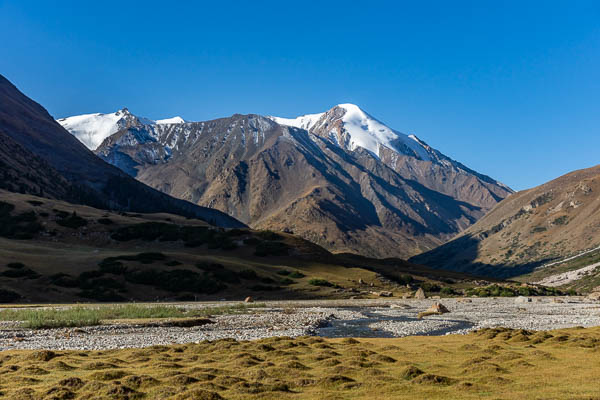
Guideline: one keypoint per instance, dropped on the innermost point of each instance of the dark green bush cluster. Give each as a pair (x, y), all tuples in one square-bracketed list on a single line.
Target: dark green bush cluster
[(287, 281), (179, 280), (72, 221), (192, 236), (264, 288), (269, 235), (105, 221), (510, 291), (270, 248), (23, 226), (320, 282), (291, 274), (248, 274), (19, 270), (219, 272), (430, 287), (8, 296), (448, 291)]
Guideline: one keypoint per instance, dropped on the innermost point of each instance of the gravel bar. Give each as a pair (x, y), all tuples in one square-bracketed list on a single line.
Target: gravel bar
[(336, 318)]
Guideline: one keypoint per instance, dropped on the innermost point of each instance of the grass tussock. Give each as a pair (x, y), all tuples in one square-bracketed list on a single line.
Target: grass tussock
[(88, 316), (560, 365)]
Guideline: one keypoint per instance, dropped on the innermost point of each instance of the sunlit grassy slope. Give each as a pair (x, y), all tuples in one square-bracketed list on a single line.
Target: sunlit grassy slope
[(490, 364)]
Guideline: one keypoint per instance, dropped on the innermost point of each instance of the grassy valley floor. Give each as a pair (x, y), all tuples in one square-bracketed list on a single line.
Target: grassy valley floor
[(491, 363)]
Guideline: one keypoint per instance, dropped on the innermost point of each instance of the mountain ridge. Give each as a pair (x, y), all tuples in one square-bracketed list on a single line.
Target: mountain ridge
[(98, 183), (273, 176)]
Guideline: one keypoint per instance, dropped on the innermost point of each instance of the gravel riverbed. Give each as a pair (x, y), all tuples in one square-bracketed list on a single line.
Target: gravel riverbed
[(336, 318)]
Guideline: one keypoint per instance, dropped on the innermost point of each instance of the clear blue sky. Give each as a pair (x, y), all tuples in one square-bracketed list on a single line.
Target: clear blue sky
[(511, 89)]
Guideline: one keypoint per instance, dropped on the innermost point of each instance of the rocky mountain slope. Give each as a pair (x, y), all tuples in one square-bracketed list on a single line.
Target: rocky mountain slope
[(528, 230), (340, 179), (40, 157)]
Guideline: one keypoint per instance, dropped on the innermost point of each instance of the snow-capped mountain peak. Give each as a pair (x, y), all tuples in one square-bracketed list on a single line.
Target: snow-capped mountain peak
[(92, 129), (351, 127), (173, 120)]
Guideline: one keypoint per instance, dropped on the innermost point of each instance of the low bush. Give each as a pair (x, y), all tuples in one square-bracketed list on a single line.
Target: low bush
[(105, 221), (448, 291), (511, 291), (21, 273), (179, 280), (72, 221), (112, 266), (173, 263), (264, 288), (248, 274), (269, 235), (320, 282), (252, 241), (64, 280), (16, 265), (8, 296), (264, 249), (21, 227), (430, 287)]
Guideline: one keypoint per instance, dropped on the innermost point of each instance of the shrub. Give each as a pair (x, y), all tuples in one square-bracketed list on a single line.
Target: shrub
[(64, 280), (320, 282), (21, 273), (448, 291), (101, 294), (564, 220), (72, 221), (296, 275), (286, 281), (105, 221), (284, 272), (430, 287), (269, 235), (173, 263), (264, 249), (16, 265), (264, 288), (112, 266), (175, 281), (248, 274), (251, 241), (236, 232), (23, 226), (8, 296)]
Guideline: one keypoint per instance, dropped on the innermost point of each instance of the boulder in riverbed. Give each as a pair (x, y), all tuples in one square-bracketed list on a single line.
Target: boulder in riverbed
[(523, 300), (420, 294), (435, 309)]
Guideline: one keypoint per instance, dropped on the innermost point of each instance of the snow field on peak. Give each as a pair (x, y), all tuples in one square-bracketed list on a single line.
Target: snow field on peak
[(92, 129), (364, 130)]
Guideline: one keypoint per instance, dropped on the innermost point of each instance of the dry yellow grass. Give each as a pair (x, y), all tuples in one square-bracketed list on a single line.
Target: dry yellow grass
[(495, 364)]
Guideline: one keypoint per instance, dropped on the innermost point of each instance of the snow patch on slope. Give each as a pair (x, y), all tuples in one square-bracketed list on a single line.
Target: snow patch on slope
[(303, 122), (92, 129), (174, 120)]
